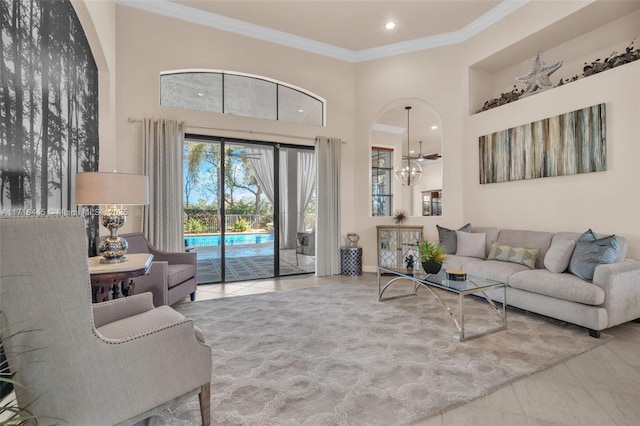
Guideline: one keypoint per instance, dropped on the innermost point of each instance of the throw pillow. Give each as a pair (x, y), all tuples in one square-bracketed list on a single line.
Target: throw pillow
[(590, 253), (558, 256), (519, 255), (471, 244), (447, 237)]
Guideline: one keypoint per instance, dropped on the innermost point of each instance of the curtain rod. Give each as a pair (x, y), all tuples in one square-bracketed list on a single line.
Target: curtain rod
[(251, 132)]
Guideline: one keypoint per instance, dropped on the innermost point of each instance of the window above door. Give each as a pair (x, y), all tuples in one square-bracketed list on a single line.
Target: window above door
[(241, 94)]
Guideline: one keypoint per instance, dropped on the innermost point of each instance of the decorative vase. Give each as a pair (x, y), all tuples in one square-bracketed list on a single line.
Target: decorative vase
[(431, 267)]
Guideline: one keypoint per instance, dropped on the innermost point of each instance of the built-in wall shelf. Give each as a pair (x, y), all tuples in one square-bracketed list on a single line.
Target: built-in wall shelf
[(591, 33)]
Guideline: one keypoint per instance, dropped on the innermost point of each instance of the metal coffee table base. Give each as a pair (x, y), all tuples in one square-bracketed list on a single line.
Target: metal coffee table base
[(459, 322)]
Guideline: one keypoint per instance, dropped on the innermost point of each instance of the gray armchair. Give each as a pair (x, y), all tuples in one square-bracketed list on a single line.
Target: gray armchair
[(172, 276), (305, 244), (79, 363)]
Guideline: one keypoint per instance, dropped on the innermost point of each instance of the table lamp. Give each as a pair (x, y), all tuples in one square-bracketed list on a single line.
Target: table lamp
[(112, 191)]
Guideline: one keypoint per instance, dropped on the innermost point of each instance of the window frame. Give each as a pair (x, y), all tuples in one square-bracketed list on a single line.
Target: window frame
[(321, 101), (376, 171)]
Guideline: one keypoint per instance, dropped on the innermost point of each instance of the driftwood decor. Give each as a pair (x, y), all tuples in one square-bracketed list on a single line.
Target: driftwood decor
[(614, 60), (566, 144)]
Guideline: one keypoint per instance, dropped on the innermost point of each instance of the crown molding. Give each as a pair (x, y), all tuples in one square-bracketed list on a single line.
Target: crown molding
[(236, 26)]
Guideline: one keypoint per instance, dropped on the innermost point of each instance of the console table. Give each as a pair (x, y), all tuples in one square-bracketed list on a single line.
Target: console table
[(117, 277)]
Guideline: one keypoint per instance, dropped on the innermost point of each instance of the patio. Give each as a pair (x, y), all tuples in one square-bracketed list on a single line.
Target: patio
[(248, 262)]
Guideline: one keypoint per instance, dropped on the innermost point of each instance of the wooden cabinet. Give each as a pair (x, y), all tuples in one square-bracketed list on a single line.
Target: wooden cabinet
[(396, 243)]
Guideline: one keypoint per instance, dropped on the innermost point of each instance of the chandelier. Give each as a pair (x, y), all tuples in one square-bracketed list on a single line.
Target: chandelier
[(408, 172)]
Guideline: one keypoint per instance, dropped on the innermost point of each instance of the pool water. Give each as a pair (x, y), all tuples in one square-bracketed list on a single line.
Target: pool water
[(230, 239)]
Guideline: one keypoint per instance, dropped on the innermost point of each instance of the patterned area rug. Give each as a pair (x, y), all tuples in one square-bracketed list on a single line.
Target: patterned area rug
[(334, 355)]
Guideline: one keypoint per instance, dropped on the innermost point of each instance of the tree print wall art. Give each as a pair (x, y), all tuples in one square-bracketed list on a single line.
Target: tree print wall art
[(566, 144), (48, 108)]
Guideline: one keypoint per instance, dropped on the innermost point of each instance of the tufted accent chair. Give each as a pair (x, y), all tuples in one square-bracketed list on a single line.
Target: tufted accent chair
[(78, 363)]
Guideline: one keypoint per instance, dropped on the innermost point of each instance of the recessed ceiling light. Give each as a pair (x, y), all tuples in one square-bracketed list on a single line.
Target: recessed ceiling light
[(390, 25), (434, 127), (200, 94), (300, 110)]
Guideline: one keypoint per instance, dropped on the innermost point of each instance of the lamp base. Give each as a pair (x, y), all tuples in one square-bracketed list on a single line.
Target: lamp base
[(113, 249)]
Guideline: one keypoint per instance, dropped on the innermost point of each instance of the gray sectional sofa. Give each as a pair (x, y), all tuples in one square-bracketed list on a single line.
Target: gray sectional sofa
[(548, 288)]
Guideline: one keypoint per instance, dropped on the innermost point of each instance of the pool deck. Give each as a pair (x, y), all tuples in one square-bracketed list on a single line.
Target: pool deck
[(258, 262)]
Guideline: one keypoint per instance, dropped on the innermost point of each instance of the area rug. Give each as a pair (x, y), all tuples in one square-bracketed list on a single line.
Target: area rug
[(334, 355)]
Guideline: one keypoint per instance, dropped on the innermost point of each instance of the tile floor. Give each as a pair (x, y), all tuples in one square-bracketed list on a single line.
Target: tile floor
[(600, 387)]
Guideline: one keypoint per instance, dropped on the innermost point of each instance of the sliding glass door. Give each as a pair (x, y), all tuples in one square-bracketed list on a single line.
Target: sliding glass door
[(237, 199)]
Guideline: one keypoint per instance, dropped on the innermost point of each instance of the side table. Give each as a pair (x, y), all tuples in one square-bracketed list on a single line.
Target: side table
[(351, 260), (117, 277)]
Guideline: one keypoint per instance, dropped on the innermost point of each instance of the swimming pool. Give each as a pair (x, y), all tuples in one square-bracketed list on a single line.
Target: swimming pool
[(229, 239)]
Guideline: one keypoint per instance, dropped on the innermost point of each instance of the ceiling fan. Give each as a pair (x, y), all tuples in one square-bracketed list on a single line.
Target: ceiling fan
[(421, 157), (242, 153)]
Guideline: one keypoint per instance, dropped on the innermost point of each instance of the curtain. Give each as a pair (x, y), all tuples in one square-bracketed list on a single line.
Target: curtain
[(264, 170), (163, 141), (306, 182), (328, 206)]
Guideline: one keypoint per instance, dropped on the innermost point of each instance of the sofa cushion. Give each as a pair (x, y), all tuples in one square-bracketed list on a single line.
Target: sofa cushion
[(592, 251), (180, 272), (561, 286), (531, 239), (471, 244), (458, 262), (494, 269), (448, 239), (520, 255), (559, 254), (491, 235)]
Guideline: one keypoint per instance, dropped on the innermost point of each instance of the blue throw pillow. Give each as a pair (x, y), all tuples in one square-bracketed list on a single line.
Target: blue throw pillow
[(592, 251)]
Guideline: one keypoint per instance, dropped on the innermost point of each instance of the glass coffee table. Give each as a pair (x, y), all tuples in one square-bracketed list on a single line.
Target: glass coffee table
[(471, 286)]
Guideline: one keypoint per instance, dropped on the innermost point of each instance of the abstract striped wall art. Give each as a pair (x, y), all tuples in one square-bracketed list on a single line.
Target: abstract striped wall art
[(566, 144)]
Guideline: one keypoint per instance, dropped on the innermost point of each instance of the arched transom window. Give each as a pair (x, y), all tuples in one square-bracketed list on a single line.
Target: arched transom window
[(241, 94)]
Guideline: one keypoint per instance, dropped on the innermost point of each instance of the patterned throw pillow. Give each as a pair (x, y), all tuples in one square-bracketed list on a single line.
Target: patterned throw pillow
[(522, 256)]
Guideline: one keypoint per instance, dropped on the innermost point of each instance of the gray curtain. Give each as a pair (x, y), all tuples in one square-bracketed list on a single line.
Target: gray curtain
[(163, 141), (328, 206)]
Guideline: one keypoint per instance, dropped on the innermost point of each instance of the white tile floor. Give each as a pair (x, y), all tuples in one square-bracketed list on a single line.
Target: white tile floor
[(600, 387)]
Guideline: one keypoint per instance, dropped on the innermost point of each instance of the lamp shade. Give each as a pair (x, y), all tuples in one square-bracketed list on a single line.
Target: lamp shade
[(93, 188)]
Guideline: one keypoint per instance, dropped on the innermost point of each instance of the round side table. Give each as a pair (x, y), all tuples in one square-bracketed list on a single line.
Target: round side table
[(351, 260)]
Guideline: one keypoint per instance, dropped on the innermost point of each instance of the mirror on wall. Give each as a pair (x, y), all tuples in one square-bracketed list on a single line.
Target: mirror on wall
[(420, 126)]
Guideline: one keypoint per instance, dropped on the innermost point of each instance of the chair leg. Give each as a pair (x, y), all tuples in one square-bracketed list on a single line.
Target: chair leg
[(193, 296), (205, 404)]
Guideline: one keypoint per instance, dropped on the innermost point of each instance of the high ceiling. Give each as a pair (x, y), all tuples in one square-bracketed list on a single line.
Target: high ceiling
[(351, 30), (355, 24)]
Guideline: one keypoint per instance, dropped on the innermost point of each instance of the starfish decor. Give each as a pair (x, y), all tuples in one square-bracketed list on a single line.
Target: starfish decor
[(538, 78)]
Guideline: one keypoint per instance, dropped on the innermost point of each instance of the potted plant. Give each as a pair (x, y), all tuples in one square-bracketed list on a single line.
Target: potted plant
[(432, 255)]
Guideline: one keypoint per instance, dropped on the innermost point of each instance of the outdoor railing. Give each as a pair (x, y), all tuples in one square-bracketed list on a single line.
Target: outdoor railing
[(204, 222)]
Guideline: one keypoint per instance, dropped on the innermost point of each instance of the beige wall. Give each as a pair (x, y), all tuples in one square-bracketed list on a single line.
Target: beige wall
[(98, 19), (432, 76), (608, 202), (358, 93), (148, 44)]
